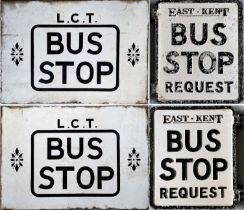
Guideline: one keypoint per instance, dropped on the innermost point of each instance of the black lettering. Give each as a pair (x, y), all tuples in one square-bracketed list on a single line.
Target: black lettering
[(204, 34), (69, 148), (167, 168), (69, 48), (100, 72), (73, 18), (96, 43), (173, 62), (219, 87), (163, 193), (64, 65), (58, 19), (188, 139), (90, 16), (213, 193), (203, 192), (188, 87), (189, 60), (60, 126), (228, 85), (184, 168), (45, 71), (220, 34), (174, 137), (213, 62), (57, 42), (217, 168), (178, 33), (78, 72), (196, 169), (89, 122), (183, 192), (168, 87), (221, 61), (57, 147), (213, 140), (74, 123), (101, 177), (172, 192), (96, 148), (65, 170), (92, 177), (222, 191), (49, 178)]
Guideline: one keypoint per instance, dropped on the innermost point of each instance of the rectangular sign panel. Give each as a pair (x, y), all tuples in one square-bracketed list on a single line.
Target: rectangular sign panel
[(199, 51), (82, 157), (78, 52), (192, 158), (101, 73), (49, 150)]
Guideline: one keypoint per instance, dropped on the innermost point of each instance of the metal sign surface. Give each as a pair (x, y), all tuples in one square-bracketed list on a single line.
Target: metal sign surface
[(45, 161), (106, 77), (78, 52), (199, 51), (192, 158), (74, 157)]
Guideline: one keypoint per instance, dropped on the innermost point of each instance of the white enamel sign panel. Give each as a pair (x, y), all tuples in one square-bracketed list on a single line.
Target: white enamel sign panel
[(83, 157), (199, 51), (79, 52), (193, 158)]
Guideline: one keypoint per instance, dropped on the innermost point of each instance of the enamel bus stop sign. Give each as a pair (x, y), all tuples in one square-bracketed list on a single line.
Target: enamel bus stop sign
[(192, 158), (75, 51), (199, 51), (76, 157)]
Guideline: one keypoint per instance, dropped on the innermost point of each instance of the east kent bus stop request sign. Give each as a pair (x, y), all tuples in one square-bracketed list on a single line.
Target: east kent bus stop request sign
[(192, 158), (199, 51)]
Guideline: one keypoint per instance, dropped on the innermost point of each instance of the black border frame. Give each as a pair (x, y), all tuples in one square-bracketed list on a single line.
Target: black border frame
[(151, 134), (75, 26), (240, 53), (76, 194)]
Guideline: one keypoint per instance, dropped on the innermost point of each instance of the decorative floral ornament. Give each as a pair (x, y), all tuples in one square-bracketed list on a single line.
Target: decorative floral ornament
[(133, 54), (16, 159), (17, 54), (134, 159)]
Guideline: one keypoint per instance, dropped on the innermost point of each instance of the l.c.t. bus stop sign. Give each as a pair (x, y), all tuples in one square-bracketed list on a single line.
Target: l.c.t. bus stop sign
[(75, 51), (74, 157)]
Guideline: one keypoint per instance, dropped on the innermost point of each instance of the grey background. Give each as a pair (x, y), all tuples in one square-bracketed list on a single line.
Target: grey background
[(240, 150), (238, 108)]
